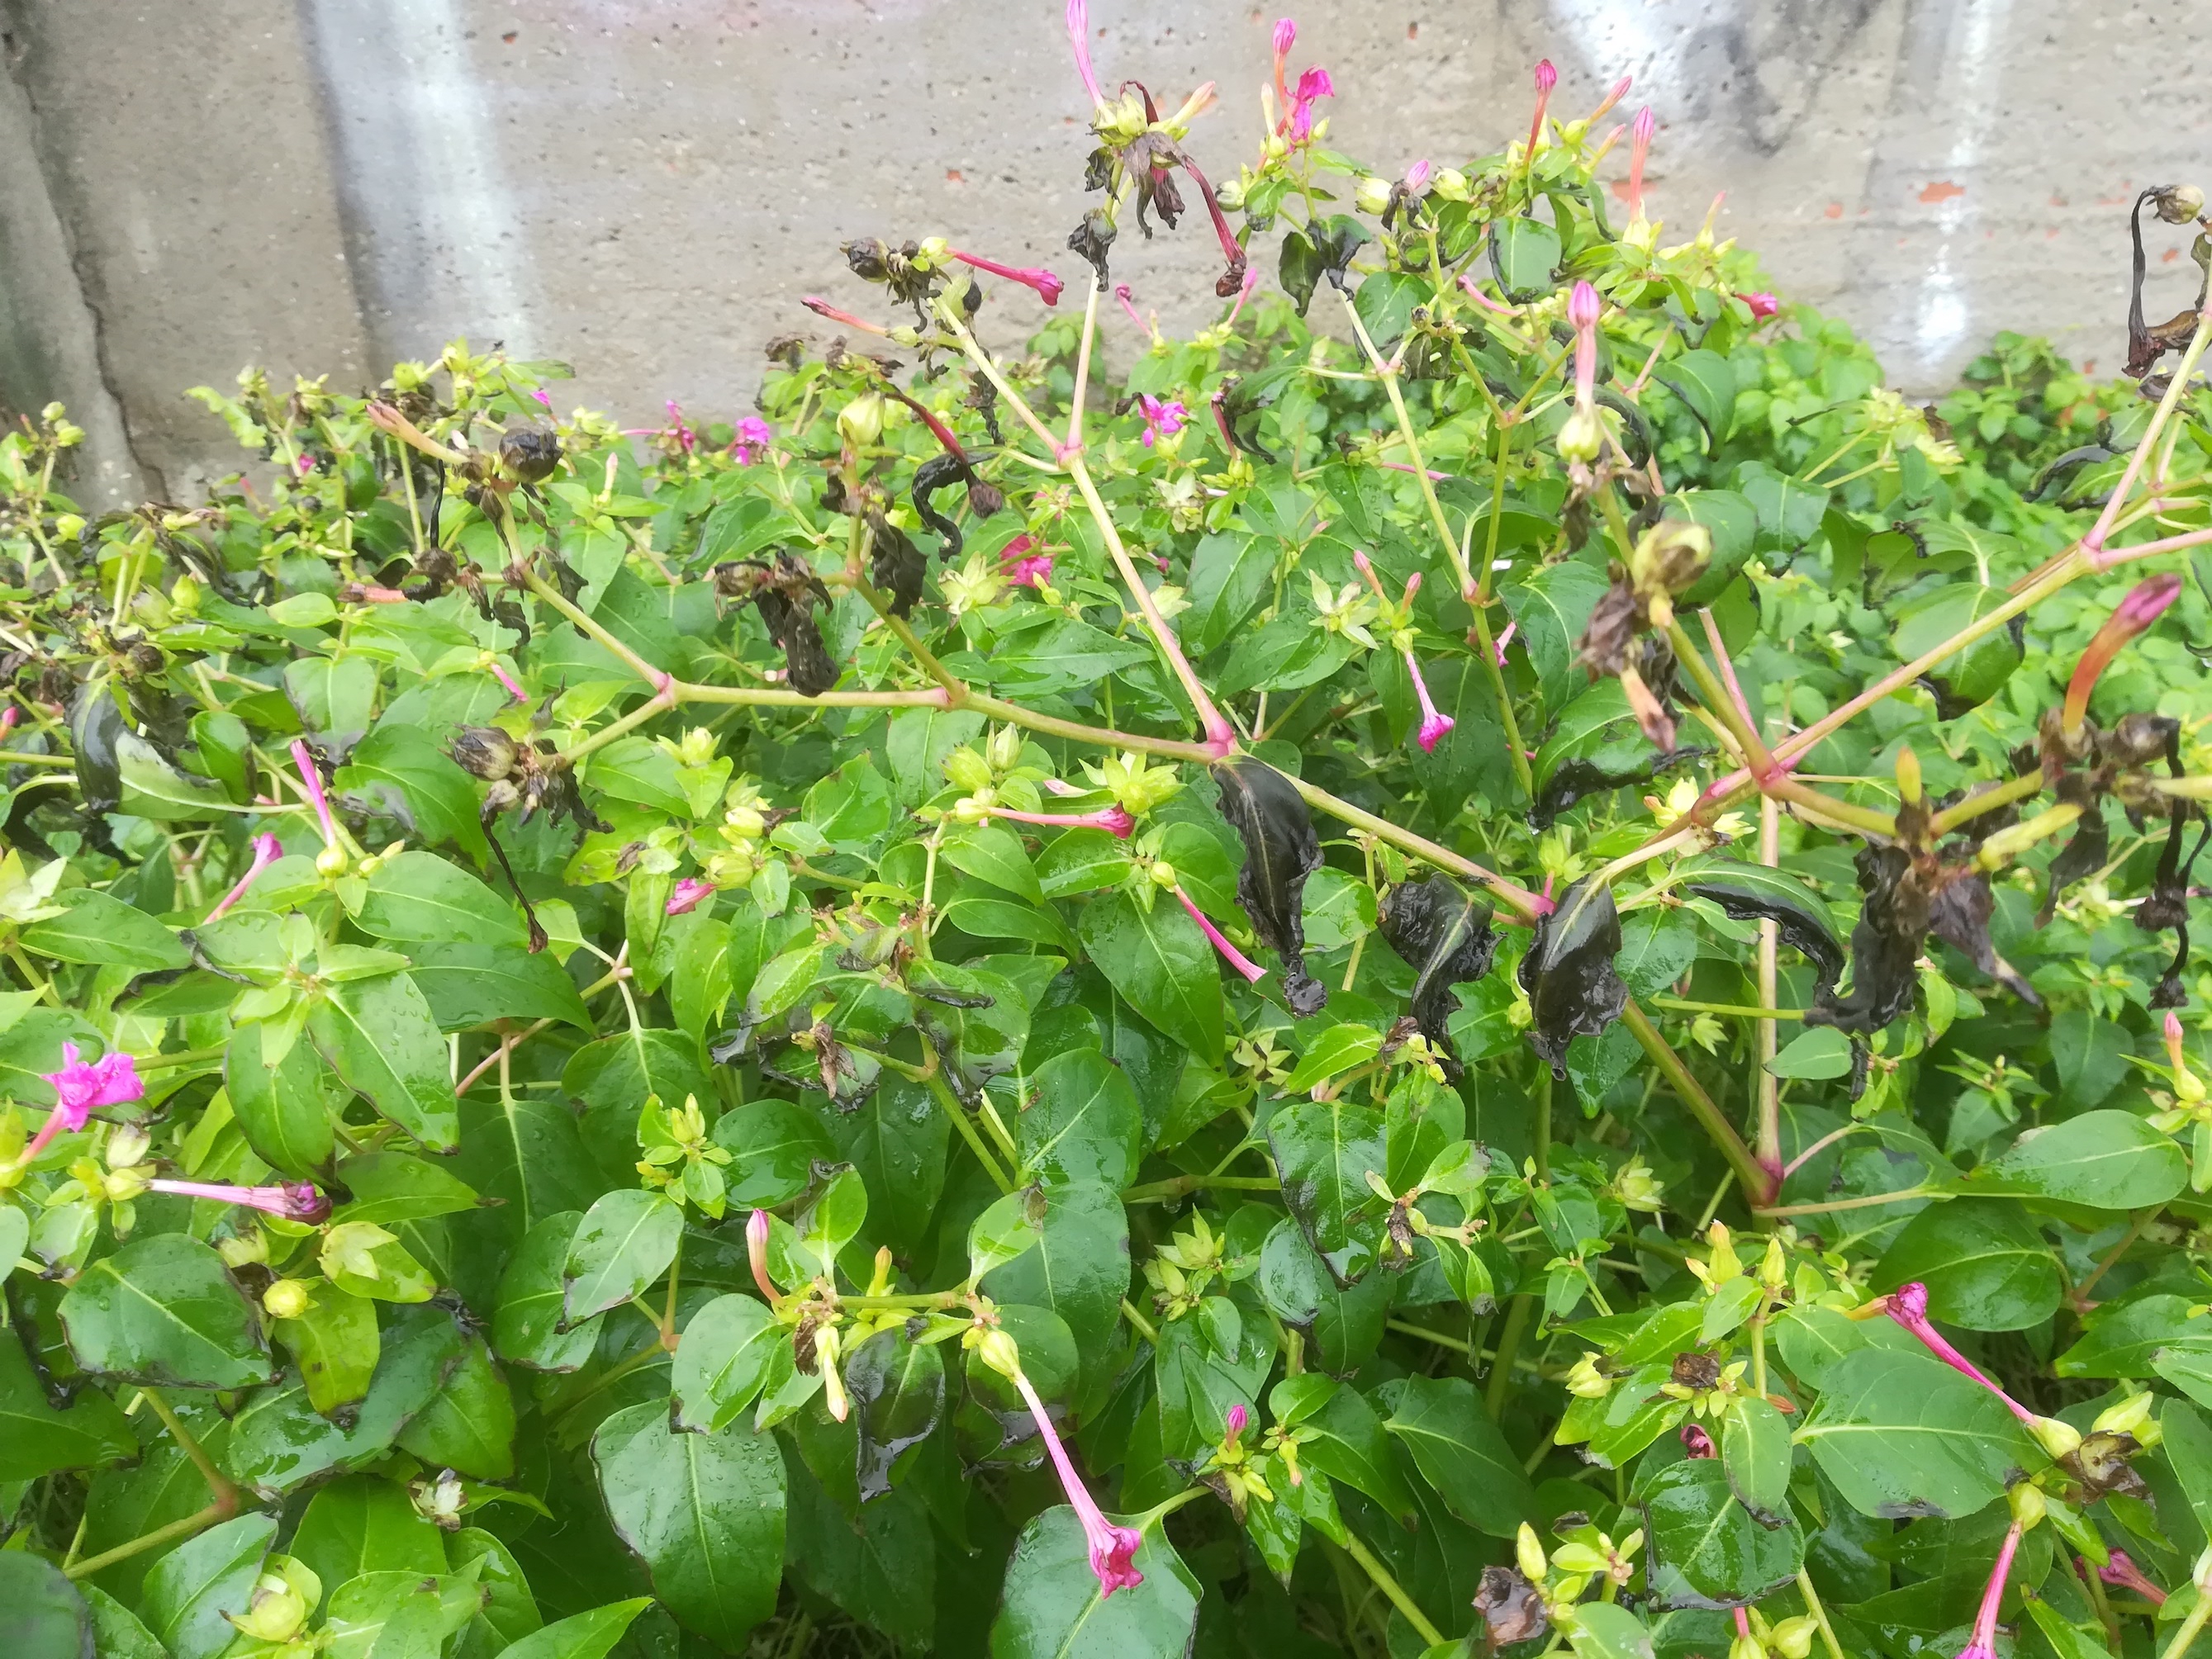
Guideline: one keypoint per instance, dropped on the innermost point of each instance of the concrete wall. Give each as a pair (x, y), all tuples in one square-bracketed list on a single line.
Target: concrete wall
[(644, 188)]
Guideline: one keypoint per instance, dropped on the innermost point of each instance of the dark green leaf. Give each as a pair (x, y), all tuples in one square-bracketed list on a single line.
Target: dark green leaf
[(164, 1310)]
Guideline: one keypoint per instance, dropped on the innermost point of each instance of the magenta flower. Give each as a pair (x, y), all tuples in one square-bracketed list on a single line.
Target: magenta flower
[(1908, 1305), (1162, 420), (1022, 564), (1239, 1417), (1047, 286), (1079, 36), (1287, 36), (2123, 1573), (1547, 78), (822, 308), (756, 1231), (753, 438), (1114, 820), (1983, 1646), (2145, 603), (513, 688), (313, 781), (266, 852), (1416, 179), (1313, 83), (111, 1080), (293, 1200), (1584, 309), (1502, 640), (1434, 721), (684, 436), (1123, 292), (1236, 959), (1763, 305), (540, 394), (687, 895), (1112, 1547), (1697, 1442), (1639, 149)]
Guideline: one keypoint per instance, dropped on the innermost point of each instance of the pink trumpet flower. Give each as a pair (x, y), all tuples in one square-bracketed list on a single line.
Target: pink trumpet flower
[(1124, 292), (293, 1200), (1639, 149), (1619, 91), (1251, 282), (266, 852), (1022, 565), (1434, 721), (1162, 419), (1547, 78), (753, 436), (1114, 820), (313, 781), (1236, 959), (1696, 1442), (687, 895), (111, 1080), (822, 308), (1584, 309), (1079, 36), (1983, 1646), (1908, 1305), (1762, 306), (2123, 1573), (1313, 84), (1502, 640), (1048, 285), (1112, 1547), (513, 688), (2145, 603), (756, 1231)]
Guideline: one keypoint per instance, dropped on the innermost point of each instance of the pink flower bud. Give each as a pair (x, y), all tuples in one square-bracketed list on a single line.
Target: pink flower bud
[(1417, 178), (1583, 307), (2145, 603), (1698, 1441), (1763, 305), (756, 1232), (1287, 36), (1048, 285), (312, 779), (1547, 78), (1639, 149), (1239, 1417)]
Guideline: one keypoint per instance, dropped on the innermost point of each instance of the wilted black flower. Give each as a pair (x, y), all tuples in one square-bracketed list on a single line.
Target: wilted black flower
[(484, 751), (1884, 945), (1444, 933), (530, 453), (895, 564), (1568, 973), (1280, 851)]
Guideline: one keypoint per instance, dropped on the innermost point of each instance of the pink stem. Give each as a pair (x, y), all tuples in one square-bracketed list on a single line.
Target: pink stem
[(1237, 959)]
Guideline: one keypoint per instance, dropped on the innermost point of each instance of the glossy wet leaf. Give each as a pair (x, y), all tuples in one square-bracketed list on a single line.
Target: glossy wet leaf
[(1751, 891), (39, 1437), (1051, 1606), (1901, 1434), (1080, 1121), (704, 1512), (1461, 1452), (1707, 1549), (589, 1635), (41, 1614), (722, 1361), (1755, 1452), (1442, 932), (377, 1035), (166, 1310), (1325, 1149), (1161, 962), (1985, 1266), (625, 1242), (897, 1387), (190, 1589), (2107, 1160)]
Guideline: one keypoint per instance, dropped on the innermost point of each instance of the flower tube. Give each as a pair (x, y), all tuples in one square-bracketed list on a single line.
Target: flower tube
[(2145, 603), (292, 1200), (1112, 1547), (822, 308), (111, 1080), (1165, 876), (1547, 78), (1114, 820), (2121, 1573), (313, 781), (1639, 149), (1983, 1646), (1908, 1306), (687, 895), (266, 851), (1079, 36), (1046, 284)]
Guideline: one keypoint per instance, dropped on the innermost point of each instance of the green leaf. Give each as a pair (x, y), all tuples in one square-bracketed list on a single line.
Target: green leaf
[(1968, 678), (470, 984), (1755, 1450), (2106, 1160), (164, 1310), (774, 1144), (420, 895), (1655, 949), (1461, 1452), (1704, 382), (287, 1111), (1079, 1268), (38, 1438), (1901, 1434), (392, 1187), (1985, 1266), (2189, 1448), (190, 1589), (1551, 609), (1707, 1550), (1790, 511), (532, 1302), (625, 1242), (992, 853), (1052, 1608), (1605, 1631), (1080, 1121), (116, 1633), (279, 1442), (399, 770), (582, 1635), (336, 1344), (379, 1036), (722, 1362), (1333, 1051), (1325, 1149), (1231, 572), (2124, 1338), (1816, 1052), (399, 1615), (1344, 1325), (896, 1141), (1349, 1443), (99, 927), (469, 1424), (1161, 962), (364, 1524), (705, 1512), (41, 1614), (1524, 256)]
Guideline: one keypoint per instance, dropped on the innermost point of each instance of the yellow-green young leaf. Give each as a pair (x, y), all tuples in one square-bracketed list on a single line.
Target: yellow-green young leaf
[(334, 1344)]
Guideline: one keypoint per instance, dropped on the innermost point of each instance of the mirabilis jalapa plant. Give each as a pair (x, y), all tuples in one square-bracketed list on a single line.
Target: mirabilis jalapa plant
[(619, 1037)]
